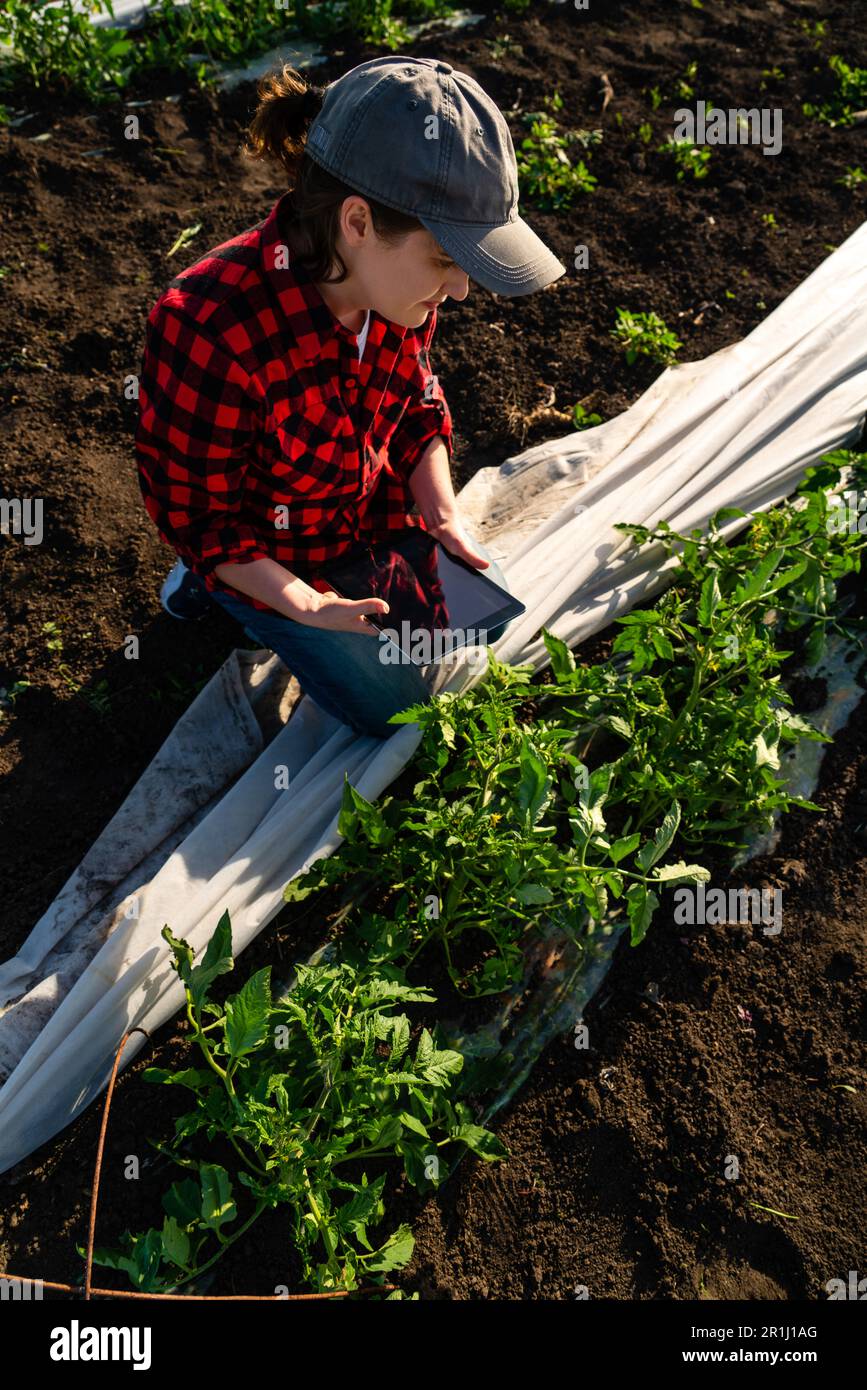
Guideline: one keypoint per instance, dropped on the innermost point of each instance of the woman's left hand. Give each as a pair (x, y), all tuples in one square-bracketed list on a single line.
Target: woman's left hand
[(453, 537)]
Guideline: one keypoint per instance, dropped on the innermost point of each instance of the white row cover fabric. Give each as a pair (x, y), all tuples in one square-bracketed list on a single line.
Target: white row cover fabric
[(205, 830)]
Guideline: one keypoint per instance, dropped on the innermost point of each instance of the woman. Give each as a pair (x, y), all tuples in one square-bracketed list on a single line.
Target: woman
[(288, 414)]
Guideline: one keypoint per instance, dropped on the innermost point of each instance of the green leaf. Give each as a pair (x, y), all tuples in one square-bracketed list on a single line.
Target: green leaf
[(644, 617), (192, 1077), (596, 897), (248, 1015), (183, 953), (709, 600), (176, 1243), (653, 850), (217, 960), (641, 904), (725, 514), (615, 882), (399, 1037), (600, 784), (413, 714), (414, 1124), (425, 1048), (562, 660), (681, 873), (586, 823), (113, 1259), (321, 873), (147, 1258), (662, 645), (359, 815), (755, 581), (217, 1207), (793, 726), (535, 785), (589, 819), (787, 576), (626, 845), (620, 726), (183, 1201), (766, 755), (436, 1066), (386, 1131), (532, 894), (363, 1209), (481, 1141), (394, 1254), (141, 1263)]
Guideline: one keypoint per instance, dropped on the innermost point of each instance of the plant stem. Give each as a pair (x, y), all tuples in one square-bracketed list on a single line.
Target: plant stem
[(260, 1207), (199, 1037), (321, 1225), (240, 1152)]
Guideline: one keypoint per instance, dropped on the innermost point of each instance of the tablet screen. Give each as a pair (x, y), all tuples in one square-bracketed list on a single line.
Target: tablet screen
[(427, 590)]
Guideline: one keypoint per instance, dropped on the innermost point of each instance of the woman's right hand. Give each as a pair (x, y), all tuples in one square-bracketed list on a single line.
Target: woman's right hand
[(336, 614), (287, 593)]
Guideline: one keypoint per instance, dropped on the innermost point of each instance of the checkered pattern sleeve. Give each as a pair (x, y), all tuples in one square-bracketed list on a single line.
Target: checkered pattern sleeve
[(427, 412), (193, 440)]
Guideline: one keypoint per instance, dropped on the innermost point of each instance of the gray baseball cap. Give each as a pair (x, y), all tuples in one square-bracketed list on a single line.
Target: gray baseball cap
[(419, 136)]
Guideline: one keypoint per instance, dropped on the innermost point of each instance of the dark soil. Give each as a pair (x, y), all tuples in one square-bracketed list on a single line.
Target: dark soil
[(616, 1180)]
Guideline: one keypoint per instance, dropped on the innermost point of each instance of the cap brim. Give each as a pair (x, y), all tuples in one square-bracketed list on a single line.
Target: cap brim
[(509, 260)]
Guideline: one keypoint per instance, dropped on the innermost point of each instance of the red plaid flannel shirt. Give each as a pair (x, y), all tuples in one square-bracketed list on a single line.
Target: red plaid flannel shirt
[(259, 432)]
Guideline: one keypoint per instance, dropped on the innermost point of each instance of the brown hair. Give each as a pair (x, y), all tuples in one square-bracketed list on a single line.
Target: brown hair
[(278, 132)]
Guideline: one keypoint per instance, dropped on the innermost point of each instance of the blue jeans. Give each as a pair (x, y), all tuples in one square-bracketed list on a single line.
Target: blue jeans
[(342, 671)]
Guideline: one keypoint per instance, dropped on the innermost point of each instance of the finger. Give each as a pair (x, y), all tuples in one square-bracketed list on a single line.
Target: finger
[(456, 544), (363, 606), (471, 557), (352, 608)]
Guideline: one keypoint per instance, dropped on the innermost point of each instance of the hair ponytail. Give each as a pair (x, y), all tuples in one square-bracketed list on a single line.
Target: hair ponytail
[(278, 130)]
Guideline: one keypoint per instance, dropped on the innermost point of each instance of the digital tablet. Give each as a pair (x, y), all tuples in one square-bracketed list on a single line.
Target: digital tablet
[(437, 603)]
